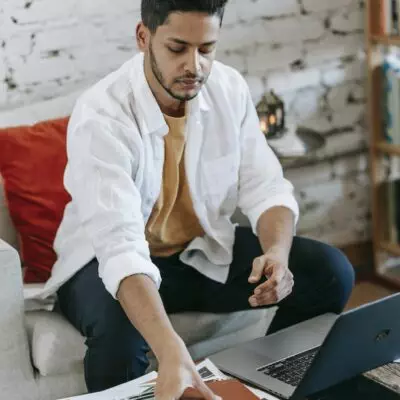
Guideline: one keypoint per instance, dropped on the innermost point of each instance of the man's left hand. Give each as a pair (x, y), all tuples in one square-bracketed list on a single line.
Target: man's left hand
[(279, 282)]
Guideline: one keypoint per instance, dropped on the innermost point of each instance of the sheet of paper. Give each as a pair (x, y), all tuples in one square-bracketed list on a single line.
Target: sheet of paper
[(208, 371), (138, 389)]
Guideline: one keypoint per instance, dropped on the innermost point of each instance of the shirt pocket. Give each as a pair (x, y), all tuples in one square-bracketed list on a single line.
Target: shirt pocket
[(220, 177)]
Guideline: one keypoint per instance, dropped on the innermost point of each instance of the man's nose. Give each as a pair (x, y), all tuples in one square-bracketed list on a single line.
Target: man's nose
[(193, 63)]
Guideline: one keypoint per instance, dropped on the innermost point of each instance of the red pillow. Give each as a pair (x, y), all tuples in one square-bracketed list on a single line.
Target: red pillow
[(32, 164)]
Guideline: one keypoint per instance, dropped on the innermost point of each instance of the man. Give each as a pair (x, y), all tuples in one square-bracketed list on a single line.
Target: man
[(160, 154)]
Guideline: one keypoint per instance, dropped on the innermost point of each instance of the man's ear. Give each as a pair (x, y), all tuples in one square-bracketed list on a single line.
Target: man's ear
[(142, 37)]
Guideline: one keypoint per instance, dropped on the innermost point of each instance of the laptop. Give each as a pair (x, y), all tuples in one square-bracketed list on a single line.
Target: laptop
[(314, 355)]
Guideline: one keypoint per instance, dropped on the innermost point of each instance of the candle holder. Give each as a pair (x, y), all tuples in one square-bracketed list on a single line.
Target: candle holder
[(271, 113)]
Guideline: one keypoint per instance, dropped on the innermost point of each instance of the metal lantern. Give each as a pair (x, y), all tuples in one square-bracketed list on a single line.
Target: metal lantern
[(271, 113)]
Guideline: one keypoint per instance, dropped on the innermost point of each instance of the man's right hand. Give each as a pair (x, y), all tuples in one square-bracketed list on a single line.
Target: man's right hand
[(177, 372), (142, 304)]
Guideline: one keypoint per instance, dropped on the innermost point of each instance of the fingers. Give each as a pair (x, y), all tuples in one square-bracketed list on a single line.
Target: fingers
[(164, 394), (271, 298), (258, 270), (172, 389), (205, 391), (274, 292), (277, 277), (271, 284)]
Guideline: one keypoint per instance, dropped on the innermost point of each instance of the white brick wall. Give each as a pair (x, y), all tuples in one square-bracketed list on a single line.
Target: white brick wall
[(242, 11), (263, 58), (312, 6), (309, 51)]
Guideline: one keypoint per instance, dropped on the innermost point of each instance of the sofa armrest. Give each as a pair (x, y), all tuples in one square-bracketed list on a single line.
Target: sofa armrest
[(16, 372)]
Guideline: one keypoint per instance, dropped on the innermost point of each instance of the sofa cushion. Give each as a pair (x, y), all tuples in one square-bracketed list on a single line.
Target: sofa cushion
[(57, 347), (32, 164)]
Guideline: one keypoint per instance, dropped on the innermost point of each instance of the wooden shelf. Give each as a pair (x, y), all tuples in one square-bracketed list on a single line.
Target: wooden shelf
[(390, 280), (386, 275), (392, 248), (386, 40), (378, 146), (388, 148)]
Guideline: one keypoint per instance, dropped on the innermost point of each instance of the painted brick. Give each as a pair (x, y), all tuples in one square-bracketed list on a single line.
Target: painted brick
[(338, 73), (288, 98), (333, 47), (47, 90), (262, 59), (340, 96), (100, 63), (320, 123), (256, 86), (100, 7), (307, 103), (347, 235), (337, 204), (312, 6), (231, 15), (344, 142), (350, 166), (48, 69), (349, 116), (3, 66), (235, 60), (248, 10), (22, 42), (239, 36), (282, 82), (316, 203), (295, 29), (3, 92), (306, 176), (349, 22), (63, 38), (120, 27), (43, 10)]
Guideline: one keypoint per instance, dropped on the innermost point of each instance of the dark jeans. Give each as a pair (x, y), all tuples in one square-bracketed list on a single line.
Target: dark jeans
[(116, 351)]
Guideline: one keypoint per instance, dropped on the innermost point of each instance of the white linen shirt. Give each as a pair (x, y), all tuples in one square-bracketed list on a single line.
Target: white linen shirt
[(115, 147)]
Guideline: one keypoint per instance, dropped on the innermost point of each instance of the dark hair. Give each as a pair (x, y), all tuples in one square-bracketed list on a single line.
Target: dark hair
[(156, 12)]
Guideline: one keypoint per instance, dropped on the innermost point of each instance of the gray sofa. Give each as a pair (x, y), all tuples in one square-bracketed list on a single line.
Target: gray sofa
[(41, 354)]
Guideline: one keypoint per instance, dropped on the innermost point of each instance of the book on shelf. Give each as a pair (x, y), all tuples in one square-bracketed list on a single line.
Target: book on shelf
[(389, 16), (391, 98), (391, 201)]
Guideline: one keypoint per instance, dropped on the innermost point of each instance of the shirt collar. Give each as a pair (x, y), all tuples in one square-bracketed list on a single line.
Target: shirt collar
[(149, 116)]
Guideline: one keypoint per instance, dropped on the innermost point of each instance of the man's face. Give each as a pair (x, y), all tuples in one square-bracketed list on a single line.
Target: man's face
[(181, 52)]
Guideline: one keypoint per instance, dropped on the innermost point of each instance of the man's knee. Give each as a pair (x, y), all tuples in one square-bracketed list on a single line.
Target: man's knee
[(339, 270), (324, 266), (112, 324), (114, 341)]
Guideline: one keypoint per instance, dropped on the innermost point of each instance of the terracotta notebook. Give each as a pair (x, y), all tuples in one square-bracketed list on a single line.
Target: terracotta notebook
[(230, 389)]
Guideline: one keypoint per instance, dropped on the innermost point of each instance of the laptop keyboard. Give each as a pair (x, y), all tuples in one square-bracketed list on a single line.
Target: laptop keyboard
[(292, 369)]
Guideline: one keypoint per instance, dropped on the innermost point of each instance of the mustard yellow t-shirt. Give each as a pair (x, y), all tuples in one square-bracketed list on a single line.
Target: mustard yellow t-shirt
[(173, 222)]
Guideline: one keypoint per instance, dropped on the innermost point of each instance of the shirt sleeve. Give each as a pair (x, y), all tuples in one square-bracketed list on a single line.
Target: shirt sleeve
[(261, 181), (100, 181)]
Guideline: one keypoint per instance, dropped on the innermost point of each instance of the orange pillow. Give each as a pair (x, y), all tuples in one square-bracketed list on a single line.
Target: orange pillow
[(32, 164)]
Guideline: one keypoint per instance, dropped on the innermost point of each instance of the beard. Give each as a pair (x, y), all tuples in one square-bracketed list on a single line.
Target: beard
[(161, 80)]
